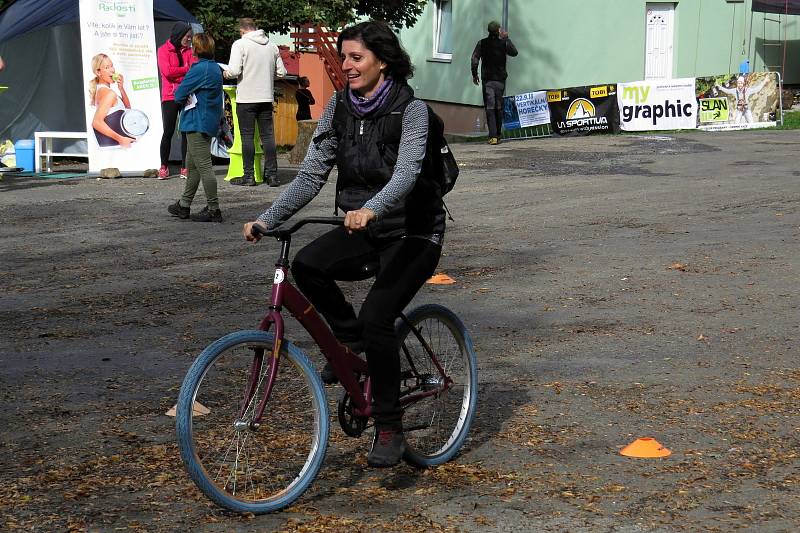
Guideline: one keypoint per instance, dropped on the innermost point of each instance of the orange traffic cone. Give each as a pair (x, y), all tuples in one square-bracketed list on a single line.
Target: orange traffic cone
[(441, 279), (645, 447)]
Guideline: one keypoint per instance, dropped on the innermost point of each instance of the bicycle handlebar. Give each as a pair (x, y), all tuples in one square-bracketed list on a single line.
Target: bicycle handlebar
[(282, 232)]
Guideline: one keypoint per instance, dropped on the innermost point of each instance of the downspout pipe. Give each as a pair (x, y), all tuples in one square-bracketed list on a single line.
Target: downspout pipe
[(505, 15)]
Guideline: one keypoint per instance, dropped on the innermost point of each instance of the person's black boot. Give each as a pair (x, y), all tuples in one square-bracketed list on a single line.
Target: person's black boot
[(327, 374), (247, 181), (388, 447), (178, 210), (208, 216)]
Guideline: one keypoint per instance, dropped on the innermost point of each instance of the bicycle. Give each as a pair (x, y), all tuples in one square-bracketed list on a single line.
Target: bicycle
[(264, 440)]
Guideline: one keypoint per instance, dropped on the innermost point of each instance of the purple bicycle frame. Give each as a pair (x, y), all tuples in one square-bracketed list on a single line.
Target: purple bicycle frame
[(345, 363)]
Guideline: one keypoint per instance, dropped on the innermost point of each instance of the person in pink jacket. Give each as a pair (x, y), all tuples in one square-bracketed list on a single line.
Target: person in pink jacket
[(174, 59)]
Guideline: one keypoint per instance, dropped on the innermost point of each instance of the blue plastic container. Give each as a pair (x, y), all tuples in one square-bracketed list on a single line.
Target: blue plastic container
[(24, 150)]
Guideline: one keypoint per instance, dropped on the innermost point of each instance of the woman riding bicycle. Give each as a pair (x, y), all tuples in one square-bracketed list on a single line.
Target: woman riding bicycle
[(391, 217)]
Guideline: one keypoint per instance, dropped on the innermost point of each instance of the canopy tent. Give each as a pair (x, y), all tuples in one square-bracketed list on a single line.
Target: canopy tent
[(40, 42), (784, 7)]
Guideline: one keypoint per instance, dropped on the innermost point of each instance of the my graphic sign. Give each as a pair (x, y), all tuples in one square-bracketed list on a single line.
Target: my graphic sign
[(120, 75), (657, 105), (584, 110)]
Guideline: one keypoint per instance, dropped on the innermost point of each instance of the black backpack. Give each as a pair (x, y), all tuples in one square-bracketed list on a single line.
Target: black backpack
[(439, 164)]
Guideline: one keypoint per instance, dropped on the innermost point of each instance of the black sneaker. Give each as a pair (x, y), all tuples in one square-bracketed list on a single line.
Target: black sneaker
[(327, 375), (387, 448), (243, 180), (178, 210), (272, 181), (208, 216)]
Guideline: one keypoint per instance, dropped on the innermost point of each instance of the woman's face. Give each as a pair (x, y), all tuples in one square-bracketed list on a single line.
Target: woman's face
[(363, 70), (106, 71), (186, 40)]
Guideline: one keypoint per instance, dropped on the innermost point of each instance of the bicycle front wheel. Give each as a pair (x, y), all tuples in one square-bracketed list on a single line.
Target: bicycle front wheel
[(239, 465), (439, 384)]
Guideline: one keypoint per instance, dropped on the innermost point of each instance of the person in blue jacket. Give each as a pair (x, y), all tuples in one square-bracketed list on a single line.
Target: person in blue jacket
[(200, 95)]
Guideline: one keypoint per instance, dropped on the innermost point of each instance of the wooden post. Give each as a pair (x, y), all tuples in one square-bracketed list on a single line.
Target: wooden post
[(305, 132)]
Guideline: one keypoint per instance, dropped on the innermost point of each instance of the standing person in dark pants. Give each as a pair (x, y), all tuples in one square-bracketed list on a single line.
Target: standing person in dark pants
[(174, 59), (491, 53), (255, 62), (200, 96), (304, 99)]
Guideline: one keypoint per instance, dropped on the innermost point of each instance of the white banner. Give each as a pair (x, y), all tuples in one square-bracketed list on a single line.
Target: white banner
[(122, 99), (657, 105), (532, 109)]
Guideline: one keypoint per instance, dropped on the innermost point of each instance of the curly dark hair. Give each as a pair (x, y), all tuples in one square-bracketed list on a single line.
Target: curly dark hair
[(379, 39)]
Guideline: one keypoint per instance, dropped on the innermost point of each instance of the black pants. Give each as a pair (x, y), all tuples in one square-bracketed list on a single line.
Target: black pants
[(405, 265), (169, 114), (493, 102), (249, 114)]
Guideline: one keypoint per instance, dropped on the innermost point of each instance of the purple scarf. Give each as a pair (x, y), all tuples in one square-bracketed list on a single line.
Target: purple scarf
[(364, 106)]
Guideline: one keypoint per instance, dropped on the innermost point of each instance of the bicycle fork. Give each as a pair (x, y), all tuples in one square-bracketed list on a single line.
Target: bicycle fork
[(272, 318)]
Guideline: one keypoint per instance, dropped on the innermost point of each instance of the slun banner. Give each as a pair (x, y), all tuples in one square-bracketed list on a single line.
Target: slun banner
[(738, 101)]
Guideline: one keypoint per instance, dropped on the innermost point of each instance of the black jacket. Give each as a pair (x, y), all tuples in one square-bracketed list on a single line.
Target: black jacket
[(365, 161), (491, 53)]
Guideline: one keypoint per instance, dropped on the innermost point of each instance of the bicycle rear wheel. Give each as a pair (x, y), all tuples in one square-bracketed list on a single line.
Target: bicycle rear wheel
[(437, 425), (238, 466)]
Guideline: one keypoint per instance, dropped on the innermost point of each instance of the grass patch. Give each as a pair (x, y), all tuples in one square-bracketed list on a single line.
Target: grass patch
[(791, 121)]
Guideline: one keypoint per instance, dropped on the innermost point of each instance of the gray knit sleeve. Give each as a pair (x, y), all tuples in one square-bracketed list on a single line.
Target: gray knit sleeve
[(409, 160), (313, 173)]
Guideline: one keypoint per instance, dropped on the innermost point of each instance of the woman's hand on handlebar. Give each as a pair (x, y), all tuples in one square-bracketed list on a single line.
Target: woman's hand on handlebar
[(248, 232), (357, 220)]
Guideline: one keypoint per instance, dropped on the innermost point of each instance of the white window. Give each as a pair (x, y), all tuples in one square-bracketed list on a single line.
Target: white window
[(443, 29)]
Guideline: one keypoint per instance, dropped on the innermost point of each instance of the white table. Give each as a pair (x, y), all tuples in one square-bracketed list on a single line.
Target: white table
[(44, 146)]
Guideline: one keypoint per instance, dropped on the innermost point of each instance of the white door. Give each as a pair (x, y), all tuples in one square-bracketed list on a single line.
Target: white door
[(658, 58)]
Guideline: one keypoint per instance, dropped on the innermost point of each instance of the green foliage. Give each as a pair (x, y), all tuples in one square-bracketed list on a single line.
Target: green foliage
[(220, 17), (791, 120)]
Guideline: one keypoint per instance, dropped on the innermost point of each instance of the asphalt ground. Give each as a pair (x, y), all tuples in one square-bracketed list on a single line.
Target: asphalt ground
[(615, 288)]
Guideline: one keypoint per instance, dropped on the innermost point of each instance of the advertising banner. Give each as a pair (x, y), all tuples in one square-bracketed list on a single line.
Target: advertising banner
[(120, 72), (584, 110), (510, 114), (525, 110), (657, 105), (738, 101), (532, 108)]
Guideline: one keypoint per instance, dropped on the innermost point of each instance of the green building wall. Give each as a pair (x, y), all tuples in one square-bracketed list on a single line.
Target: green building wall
[(564, 43)]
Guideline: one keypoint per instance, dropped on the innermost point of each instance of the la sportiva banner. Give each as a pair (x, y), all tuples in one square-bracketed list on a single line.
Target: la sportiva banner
[(738, 101), (584, 110), (657, 105), (120, 74)]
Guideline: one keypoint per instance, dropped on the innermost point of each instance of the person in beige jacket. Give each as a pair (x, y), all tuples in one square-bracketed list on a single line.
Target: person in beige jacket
[(255, 63)]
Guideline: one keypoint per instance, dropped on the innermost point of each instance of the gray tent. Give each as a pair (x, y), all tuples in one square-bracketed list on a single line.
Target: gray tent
[(40, 42)]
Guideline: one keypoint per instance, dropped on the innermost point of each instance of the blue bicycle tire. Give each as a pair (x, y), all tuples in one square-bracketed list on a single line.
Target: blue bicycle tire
[(292, 360), (424, 445)]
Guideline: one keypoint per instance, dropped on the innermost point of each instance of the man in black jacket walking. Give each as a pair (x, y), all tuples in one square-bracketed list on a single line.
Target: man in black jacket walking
[(491, 53)]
